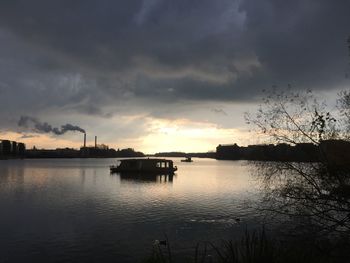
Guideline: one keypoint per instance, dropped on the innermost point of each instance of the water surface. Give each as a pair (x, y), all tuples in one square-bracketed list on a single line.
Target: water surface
[(70, 210)]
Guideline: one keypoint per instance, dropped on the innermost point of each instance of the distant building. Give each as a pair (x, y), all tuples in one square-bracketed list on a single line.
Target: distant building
[(228, 152), (304, 152), (14, 148), (11, 149), (21, 148), (6, 147)]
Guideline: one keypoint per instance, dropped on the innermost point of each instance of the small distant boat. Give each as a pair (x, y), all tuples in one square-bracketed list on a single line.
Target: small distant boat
[(154, 166), (187, 160)]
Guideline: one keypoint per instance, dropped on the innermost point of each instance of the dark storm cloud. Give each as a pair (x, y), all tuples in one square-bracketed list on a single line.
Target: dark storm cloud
[(301, 41), (90, 56), (111, 33)]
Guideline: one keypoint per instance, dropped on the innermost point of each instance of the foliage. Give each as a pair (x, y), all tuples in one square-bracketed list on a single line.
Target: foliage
[(316, 194), (344, 109), (294, 117)]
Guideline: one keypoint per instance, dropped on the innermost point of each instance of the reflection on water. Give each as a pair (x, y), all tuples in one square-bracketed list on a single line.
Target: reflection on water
[(74, 210), (140, 178)]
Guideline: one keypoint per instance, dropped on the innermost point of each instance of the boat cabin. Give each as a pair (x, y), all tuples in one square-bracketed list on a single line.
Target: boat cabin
[(145, 165)]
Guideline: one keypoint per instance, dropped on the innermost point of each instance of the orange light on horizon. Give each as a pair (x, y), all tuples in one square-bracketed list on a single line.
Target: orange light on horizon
[(40, 141), (160, 135)]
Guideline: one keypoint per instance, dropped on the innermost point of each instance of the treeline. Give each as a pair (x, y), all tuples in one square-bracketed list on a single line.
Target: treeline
[(335, 151)]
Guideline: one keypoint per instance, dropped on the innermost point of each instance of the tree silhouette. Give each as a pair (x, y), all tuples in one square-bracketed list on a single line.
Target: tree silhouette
[(315, 193)]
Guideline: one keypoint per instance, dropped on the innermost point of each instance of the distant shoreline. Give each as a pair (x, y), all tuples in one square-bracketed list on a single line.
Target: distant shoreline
[(335, 151)]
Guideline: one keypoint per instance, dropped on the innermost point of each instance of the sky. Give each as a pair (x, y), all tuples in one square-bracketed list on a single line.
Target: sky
[(160, 75)]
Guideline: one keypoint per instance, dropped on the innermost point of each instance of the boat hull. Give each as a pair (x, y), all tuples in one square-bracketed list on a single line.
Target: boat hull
[(116, 169)]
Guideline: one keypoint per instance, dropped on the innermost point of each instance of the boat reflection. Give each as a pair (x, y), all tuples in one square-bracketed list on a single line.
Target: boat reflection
[(146, 178)]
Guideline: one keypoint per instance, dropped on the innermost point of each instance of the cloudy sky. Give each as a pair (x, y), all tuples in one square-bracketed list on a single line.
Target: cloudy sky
[(161, 75)]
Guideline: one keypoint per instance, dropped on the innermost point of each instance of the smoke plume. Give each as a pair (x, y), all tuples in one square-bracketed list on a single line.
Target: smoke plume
[(44, 127)]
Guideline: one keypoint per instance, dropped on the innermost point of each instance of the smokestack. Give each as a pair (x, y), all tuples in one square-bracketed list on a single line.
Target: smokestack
[(95, 141), (84, 140)]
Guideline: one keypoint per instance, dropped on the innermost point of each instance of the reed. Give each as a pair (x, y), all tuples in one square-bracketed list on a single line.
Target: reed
[(255, 247)]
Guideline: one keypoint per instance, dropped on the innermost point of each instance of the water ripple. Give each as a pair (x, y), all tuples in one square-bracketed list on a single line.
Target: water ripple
[(74, 210)]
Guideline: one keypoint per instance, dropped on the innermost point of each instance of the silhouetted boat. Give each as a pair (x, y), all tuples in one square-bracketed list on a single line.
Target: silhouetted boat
[(154, 166), (187, 160)]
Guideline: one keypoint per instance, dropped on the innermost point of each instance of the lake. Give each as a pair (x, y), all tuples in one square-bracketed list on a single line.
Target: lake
[(74, 210)]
